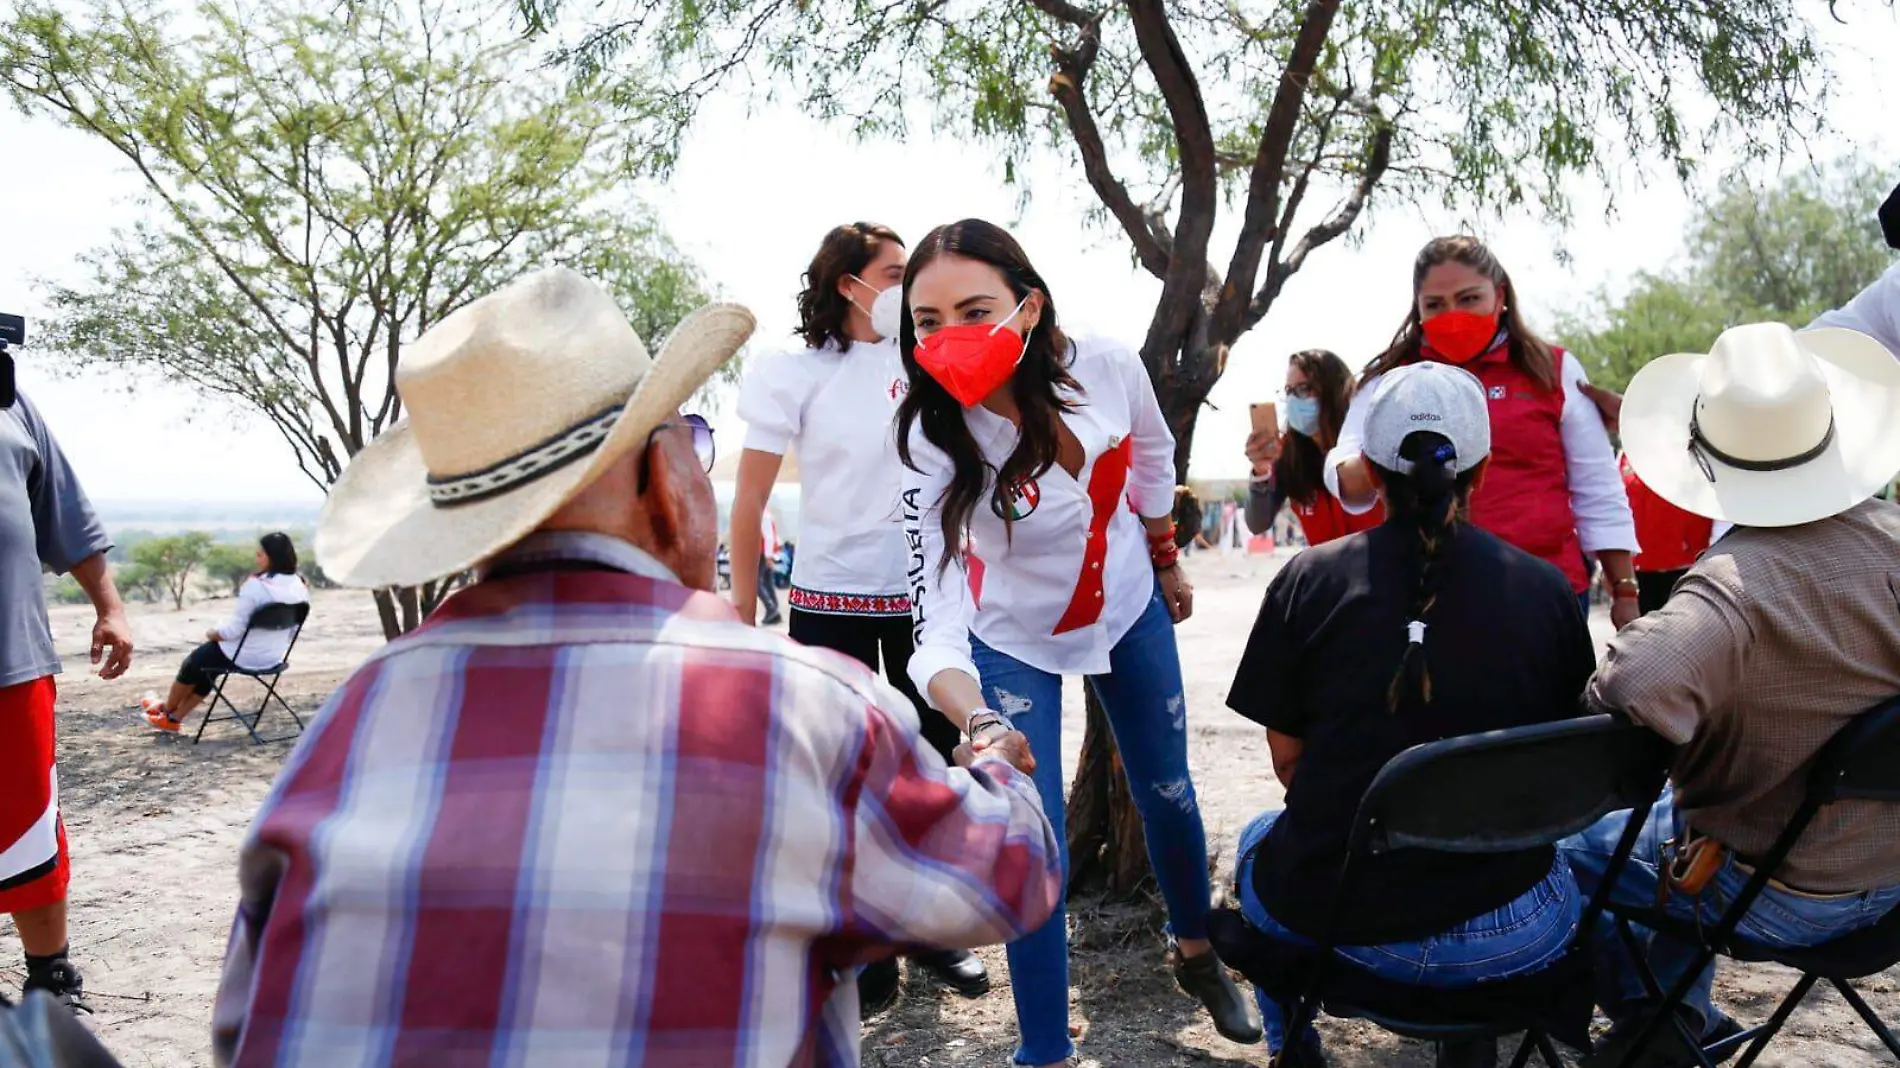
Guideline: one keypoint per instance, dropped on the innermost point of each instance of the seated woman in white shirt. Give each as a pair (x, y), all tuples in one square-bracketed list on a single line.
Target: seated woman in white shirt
[(1038, 488), (276, 582)]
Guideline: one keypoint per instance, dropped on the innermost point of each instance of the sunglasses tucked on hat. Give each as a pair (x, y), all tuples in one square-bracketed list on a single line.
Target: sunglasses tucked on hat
[(1771, 428), (1446, 400), (516, 403)]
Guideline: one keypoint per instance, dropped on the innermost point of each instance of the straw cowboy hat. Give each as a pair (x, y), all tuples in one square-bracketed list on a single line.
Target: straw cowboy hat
[(1772, 428), (516, 403)]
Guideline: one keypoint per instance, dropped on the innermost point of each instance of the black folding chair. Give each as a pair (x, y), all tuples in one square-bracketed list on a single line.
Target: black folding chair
[(1483, 793), (1861, 763), (271, 617)]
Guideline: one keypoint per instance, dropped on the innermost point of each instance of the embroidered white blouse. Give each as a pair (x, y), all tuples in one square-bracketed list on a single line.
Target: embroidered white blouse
[(837, 406), (1071, 575)]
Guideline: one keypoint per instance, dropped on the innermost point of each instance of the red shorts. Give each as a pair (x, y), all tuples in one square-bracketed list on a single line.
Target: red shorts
[(33, 868)]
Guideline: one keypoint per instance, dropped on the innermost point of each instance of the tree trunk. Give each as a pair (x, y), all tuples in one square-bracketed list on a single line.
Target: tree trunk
[(404, 608), (1108, 851)]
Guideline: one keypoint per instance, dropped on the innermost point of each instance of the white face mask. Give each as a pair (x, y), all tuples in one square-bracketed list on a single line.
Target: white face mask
[(886, 312)]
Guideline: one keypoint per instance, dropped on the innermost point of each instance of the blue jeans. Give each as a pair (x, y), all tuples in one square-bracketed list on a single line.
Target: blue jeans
[(1147, 710), (1780, 917), (1526, 935)]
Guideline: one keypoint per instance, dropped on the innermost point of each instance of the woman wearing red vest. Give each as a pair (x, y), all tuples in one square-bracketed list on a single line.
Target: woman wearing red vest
[(1286, 466), (1553, 488)]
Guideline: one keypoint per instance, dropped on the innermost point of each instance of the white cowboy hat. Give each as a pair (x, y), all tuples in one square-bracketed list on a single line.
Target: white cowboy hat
[(1772, 428), (516, 403)]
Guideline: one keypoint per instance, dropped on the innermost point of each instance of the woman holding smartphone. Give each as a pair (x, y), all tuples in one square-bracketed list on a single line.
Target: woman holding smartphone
[(1037, 496), (1286, 463)]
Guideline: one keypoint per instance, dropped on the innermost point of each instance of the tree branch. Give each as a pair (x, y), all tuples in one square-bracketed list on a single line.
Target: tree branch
[(1276, 140), (1378, 158), (1069, 86), (1188, 268)]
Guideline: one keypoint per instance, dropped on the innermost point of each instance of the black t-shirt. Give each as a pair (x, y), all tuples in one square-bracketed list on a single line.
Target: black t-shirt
[(1506, 647)]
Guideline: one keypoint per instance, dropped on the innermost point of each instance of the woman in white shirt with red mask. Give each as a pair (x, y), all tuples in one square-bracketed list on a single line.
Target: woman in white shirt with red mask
[(833, 398), (1038, 488)]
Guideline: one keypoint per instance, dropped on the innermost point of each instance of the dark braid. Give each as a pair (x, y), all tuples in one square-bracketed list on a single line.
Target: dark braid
[(1431, 500)]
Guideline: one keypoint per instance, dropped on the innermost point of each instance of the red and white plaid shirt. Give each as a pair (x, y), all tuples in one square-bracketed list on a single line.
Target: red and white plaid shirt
[(587, 817)]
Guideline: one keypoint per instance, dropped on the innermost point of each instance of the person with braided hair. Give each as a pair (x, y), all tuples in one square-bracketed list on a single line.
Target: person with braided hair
[(1425, 627)]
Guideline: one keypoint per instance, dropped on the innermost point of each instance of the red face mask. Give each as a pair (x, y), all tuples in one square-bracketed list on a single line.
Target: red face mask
[(970, 362), (1459, 336)]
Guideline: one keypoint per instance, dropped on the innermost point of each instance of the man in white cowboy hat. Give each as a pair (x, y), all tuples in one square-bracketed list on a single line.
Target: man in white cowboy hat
[(584, 815), (1782, 632)]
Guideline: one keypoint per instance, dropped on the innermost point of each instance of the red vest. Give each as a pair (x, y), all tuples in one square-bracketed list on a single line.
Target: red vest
[(1325, 520), (1525, 498), (1671, 538)]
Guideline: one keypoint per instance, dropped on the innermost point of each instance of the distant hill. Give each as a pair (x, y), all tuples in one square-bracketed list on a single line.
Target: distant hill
[(216, 517)]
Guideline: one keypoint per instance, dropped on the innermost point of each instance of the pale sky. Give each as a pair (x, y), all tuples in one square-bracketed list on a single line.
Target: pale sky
[(754, 192)]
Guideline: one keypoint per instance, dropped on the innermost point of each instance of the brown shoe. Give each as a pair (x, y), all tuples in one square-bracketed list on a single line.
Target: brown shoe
[(1206, 978)]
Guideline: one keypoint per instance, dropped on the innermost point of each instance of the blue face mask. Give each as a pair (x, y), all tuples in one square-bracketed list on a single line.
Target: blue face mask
[(1302, 415)]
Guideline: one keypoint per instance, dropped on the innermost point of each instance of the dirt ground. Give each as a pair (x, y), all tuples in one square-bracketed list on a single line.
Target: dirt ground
[(155, 823)]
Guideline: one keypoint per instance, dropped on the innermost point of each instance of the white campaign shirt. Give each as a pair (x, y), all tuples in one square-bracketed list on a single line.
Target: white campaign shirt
[(263, 649), (1874, 311), (1599, 505), (837, 407), (1050, 568)]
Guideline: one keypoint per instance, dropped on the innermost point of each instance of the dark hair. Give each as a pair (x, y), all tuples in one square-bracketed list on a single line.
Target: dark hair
[(1529, 353), (846, 250), (280, 552), (1431, 500), (1043, 369), (1297, 473)]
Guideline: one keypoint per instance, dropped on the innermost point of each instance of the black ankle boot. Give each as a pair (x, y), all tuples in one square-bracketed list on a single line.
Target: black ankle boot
[(57, 976), (1205, 977), (958, 969), (878, 984)]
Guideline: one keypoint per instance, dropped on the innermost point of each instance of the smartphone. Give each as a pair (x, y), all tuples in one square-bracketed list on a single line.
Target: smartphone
[(1266, 418)]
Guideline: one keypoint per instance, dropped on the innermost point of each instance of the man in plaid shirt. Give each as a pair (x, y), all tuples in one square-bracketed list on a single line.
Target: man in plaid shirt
[(584, 815)]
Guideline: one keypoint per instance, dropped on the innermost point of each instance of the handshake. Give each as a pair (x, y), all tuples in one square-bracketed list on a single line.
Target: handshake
[(992, 736)]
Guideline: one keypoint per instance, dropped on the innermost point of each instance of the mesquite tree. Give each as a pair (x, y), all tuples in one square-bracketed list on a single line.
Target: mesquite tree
[(327, 182), (1294, 115)]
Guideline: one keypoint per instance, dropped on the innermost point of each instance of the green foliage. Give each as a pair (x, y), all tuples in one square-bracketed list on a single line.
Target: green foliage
[(67, 590), (329, 179), (168, 564), (230, 565), (1784, 254), (1294, 116), (308, 567), (1494, 99), (138, 582)]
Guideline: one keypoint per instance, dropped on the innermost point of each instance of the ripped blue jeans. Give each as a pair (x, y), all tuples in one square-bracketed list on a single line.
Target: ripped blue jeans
[(1147, 709)]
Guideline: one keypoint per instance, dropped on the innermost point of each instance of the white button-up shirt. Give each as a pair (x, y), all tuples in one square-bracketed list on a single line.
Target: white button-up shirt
[(1069, 578), (837, 407)]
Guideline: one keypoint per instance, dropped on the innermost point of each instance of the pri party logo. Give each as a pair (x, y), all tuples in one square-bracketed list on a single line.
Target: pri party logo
[(1018, 503)]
